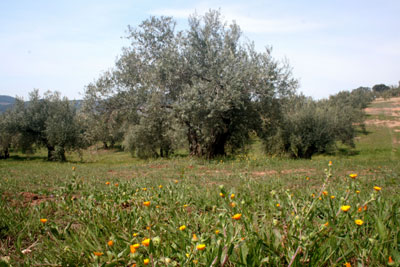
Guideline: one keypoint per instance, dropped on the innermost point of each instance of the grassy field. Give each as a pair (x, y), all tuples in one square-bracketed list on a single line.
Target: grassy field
[(250, 210)]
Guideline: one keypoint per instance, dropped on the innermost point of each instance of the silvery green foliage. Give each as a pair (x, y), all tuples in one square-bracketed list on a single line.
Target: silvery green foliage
[(214, 86), (305, 127), (103, 113), (50, 122)]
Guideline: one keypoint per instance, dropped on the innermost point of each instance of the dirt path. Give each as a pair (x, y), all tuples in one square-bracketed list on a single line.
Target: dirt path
[(389, 108)]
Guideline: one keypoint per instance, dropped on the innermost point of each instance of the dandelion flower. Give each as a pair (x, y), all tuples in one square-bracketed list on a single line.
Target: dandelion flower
[(201, 247), (353, 175), (146, 242), (216, 232), (146, 261), (183, 227), (187, 255), (110, 243), (359, 222), (237, 216), (325, 193), (232, 196), (148, 227), (345, 208), (43, 220), (185, 206), (221, 195), (107, 183), (98, 253), (136, 246), (144, 189), (357, 191), (278, 205), (135, 234), (146, 203), (160, 186), (332, 197), (377, 188), (132, 249)]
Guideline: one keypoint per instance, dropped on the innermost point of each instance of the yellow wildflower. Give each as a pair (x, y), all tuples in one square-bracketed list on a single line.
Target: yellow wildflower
[(73, 168), (359, 222), (160, 186), (353, 175), (195, 261), (146, 261), (110, 243), (146, 203), (43, 220), (326, 224), (237, 216), (107, 183), (232, 204), (232, 196), (330, 163), (221, 195), (176, 181), (135, 234), (144, 189), (332, 197), (201, 247), (325, 193), (357, 191), (278, 205), (194, 238), (345, 208), (377, 188), (132, 249), (390, 260), (183, 227), (347, 264), (98, 253), (216, 232), (116, 184), (146, 242)]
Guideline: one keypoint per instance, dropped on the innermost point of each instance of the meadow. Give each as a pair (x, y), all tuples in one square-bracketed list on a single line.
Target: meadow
[(110, 209)]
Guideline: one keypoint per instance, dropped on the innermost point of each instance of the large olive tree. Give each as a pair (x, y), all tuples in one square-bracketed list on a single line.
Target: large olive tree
[(205, 80)]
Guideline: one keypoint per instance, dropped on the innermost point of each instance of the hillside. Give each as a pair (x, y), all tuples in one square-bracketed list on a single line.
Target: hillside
[(6, 102)]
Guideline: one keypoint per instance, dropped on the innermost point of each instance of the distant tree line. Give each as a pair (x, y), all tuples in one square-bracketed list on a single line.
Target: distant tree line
[(203, 88)]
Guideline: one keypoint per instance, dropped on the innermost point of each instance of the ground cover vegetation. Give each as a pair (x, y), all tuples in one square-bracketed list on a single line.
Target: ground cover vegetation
[(246, 210)]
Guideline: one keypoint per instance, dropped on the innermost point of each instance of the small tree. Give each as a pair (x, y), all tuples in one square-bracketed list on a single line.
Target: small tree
[(50, 122)]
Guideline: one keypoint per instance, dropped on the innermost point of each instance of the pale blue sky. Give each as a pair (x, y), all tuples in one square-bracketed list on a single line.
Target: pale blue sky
[(331, 45)]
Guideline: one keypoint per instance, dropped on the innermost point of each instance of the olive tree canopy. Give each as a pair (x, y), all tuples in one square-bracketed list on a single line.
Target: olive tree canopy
[(204, 81)]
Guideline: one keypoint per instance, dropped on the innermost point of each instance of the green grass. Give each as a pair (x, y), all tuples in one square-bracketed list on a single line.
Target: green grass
[(84, 213)]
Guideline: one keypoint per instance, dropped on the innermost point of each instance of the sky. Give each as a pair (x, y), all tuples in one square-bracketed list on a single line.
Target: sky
[(331, 45)]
